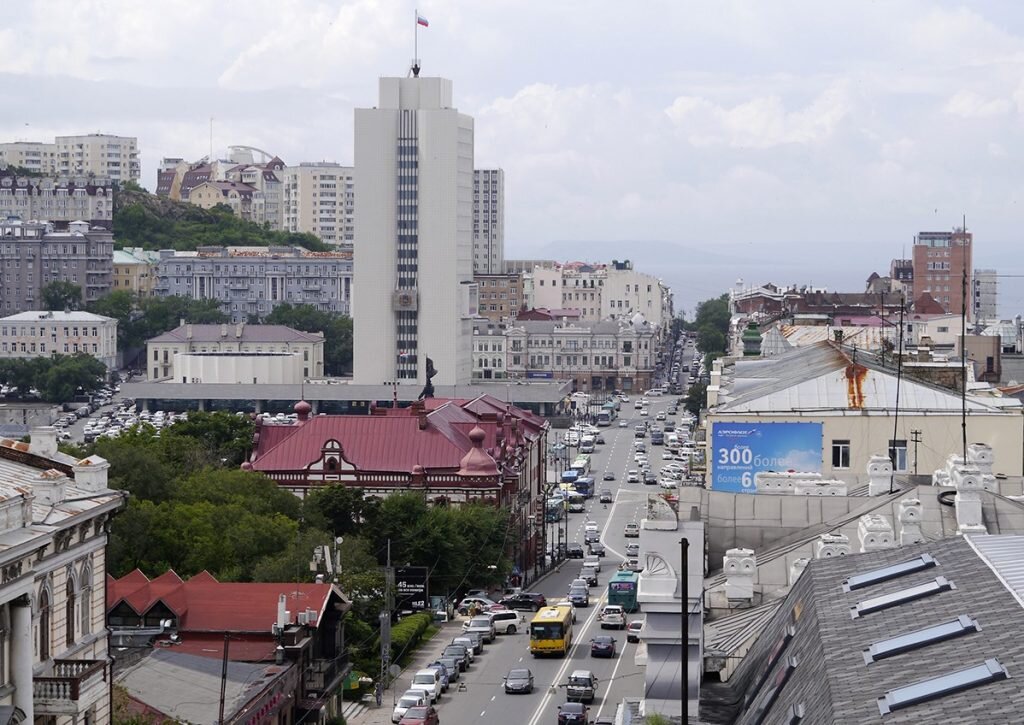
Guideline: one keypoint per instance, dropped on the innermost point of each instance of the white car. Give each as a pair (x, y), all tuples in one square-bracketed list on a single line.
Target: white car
[(632, 549), (667, 483), (428, 682), (644, 412), (623, 424), (633, 476), (613, 616), (411, 698), (590, 526)]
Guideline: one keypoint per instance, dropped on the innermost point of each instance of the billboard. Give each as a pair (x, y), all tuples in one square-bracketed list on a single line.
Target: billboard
[(411, 588), (741, 450)]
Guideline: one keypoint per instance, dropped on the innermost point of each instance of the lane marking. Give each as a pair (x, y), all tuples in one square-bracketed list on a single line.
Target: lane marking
[(615, 670)]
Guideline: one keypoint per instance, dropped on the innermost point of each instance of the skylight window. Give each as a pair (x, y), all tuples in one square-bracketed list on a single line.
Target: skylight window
[(921, 638), (796, 713), (894, 599), (988, 671), (859, 581)]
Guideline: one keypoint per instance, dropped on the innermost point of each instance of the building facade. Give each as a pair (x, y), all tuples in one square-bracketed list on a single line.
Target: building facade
[(488, 221), (135, 270), (489, 361), (985, 299), (163, 352), (59, 200), (96, 154), (940, 261), (596, 356), (414, 175), (252, 281), (46, 333), (319, 198), (500, 296), (32, 255), (246, 201), (54, 664)]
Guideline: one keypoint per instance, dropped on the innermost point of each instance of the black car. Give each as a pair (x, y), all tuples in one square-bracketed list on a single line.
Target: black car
[(519, 681), (599, 439), (606, 496), (650, 479), (608, 476), (591, 536), (573, 712), (574, 551), (596, 548), (603, 646), (530, 601)]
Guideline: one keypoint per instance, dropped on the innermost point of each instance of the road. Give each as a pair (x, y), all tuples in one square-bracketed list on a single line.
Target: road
[(483, 699)]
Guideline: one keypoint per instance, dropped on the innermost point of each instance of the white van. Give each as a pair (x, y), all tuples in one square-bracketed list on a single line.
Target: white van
[(429, 683)]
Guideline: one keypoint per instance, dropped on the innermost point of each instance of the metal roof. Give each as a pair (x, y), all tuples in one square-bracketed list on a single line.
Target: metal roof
[(249, 333), (54, 316)]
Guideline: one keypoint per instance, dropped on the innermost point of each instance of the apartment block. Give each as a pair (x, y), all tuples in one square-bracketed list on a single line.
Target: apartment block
[(95, 154), (985, 297), (59, 200), (46, 333), (940, 260), (33, 254), (135, 270), (500, 296), (489, 360), (30, 155), (252, 281), (488, 221), (319, 198)]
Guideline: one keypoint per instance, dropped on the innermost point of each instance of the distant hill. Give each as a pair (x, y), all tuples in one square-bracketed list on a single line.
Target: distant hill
[(149, 221)]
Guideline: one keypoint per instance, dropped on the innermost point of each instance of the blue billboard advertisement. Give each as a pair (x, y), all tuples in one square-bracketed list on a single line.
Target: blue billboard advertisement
[(741, 450)]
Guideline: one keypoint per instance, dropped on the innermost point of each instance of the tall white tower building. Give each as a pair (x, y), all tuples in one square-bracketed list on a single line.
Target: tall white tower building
[(489, 221), (414, 293)]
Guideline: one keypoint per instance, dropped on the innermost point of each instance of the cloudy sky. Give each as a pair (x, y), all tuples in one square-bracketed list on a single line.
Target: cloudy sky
[(781, 141)]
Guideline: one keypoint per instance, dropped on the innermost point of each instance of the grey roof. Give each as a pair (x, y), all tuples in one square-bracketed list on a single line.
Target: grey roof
[(250, 333), (831, 680), (55, 316), (187, 687), (726, 635), (815, 378), (547, 327)]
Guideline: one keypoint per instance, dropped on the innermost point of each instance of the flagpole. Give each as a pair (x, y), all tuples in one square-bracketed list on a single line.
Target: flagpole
[(416, 42)]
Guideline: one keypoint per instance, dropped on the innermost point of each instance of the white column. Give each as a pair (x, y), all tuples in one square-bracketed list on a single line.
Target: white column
[(21, 657)]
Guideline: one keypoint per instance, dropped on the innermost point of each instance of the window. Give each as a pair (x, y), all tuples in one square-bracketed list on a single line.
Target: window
[(924, 690), (69, 612), (840, 454), (920, 638), (858, 581), (44, 625), (894, 599), (85, 592), (898, 455)]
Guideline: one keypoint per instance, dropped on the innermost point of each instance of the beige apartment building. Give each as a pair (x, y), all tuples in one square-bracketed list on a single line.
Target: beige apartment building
[(95, 154), (48, 333), (30, 155), (319, 198), (59, 200), (501, 296), (135, 270)]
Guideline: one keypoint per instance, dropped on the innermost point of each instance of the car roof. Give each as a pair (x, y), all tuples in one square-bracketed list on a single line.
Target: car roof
[(519, 672), (581, 673)]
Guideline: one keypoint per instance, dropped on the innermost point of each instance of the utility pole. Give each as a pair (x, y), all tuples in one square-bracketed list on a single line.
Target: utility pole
[(223, 682), (684, 629), (385, 622), (915, 437)]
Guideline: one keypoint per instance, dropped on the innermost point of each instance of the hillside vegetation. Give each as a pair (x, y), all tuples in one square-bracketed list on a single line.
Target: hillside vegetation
[(145, 220)]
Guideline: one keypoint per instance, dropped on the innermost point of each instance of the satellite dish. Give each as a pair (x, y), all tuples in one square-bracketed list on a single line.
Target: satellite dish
[(340, 540), (394, 670)]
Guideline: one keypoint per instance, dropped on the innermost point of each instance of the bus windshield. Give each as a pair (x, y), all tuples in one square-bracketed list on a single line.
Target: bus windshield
[(546, 630)]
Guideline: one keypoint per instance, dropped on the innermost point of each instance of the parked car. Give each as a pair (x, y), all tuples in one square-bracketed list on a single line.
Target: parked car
[(469, 644), (429, 681), (412, 698), (420, 716), (443, 671), (460, 653), (571, 713), (505, 622), (602, 646), (452, 665), (532, 601), (519, 680), (633, 630)]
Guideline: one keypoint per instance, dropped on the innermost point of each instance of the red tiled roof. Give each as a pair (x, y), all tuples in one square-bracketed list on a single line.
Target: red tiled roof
[(204, 604)]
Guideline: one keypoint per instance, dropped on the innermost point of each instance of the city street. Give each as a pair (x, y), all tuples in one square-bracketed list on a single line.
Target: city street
[(483, 698)]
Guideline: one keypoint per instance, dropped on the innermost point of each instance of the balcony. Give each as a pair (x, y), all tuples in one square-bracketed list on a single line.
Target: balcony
[(72, 688)]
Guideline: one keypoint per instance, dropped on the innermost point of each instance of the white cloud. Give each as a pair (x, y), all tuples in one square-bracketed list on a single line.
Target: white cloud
[(967, 104)]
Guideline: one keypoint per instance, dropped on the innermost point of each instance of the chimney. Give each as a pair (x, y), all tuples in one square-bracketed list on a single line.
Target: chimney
[(282, 610), (91, 474), (875, 533), (879, 475), (421, 416), (239, 329), (910, 522), (739, 566), (967, 481), (830, 545), (48, 487), (223, 330), (44, 441), (797, 568), (181, 322), (188, 332)]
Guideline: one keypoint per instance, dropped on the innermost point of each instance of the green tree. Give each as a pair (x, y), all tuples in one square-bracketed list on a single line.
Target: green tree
[(137, 464), (61, 295), (336, 328), (121, 305), (70, 375), (213, 439), (339, 509), (696, 398), (710, 339)]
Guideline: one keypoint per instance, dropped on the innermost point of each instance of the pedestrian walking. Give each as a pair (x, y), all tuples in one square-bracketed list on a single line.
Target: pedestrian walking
[(378, 693)]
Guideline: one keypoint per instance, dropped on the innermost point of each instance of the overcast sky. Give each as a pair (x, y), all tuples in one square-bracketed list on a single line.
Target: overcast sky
[(775, 141)]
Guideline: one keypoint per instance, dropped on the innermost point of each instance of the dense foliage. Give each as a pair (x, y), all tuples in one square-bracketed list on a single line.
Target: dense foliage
[(60, 295), (140, 318), (58, 379), (337, 329), (152, 222)]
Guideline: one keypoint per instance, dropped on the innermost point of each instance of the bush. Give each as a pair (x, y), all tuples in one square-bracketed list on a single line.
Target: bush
[(407, 634)]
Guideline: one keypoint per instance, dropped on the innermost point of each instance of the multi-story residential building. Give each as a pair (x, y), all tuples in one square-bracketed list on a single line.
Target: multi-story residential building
[(176, 177), (54, 662), (30, 155), (596, 356), (246, 201), (500, 296), (135, 270), (940, 261), (58, 200), (985, 298), (32, 255), (252, 281), (488, 221), (489, 361), (319, 198), (95, 154), (99, 154), (238, 339), (48, 333), (414, 226)]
